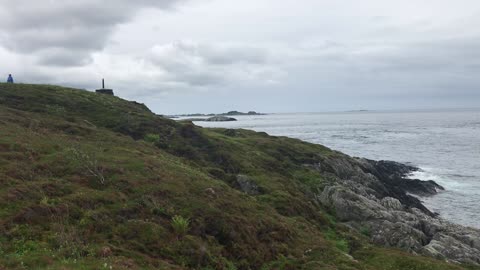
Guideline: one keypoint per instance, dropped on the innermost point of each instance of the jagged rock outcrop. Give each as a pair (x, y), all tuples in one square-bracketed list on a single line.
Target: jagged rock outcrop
[(374, 196)]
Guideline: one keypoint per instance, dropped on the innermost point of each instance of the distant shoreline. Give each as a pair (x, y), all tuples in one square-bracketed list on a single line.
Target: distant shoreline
[(230, 113)]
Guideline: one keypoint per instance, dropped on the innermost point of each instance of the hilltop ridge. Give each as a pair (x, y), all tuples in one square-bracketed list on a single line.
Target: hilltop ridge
[(93, 181)]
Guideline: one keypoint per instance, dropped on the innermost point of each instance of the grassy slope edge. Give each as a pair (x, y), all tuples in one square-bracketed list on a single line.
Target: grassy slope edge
[(92, 182)]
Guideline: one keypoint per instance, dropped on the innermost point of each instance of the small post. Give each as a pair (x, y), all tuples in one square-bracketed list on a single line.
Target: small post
[(103, 83)]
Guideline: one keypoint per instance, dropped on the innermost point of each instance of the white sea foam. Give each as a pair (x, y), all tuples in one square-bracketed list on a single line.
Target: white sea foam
[(437, 175), (424, 174)]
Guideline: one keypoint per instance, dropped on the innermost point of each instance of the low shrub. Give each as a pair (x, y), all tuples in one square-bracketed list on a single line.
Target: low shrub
[(152, 138), (180, 225)]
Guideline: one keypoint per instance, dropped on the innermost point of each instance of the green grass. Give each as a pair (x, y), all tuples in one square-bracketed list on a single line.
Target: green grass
[(180, 225), (82, 173), (152, 138)]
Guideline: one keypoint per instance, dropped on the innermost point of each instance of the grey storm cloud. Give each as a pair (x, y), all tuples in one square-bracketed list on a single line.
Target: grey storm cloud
[(199, 65), (74, 28), (62, 57)]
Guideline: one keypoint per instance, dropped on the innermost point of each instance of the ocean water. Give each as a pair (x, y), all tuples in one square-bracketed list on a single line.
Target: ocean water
[(444, 144)]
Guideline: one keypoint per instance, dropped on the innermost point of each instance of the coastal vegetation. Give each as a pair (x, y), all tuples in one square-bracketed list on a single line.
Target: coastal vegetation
[(93, 181)]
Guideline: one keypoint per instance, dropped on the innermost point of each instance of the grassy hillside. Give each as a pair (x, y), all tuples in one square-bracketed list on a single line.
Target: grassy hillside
[(92, 181)]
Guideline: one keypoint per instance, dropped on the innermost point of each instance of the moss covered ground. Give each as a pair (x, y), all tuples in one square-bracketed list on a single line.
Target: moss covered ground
[(91, 181)]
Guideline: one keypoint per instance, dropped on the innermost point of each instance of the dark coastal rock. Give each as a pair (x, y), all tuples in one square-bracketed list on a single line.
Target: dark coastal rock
[(374, 196), (421, 188), (395, 174), (388, 169)]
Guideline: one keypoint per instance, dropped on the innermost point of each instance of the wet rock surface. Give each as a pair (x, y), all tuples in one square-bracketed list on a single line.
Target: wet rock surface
[(376, 196)]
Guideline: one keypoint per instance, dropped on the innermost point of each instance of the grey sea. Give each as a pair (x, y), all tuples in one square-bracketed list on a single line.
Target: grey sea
[(444, 144)]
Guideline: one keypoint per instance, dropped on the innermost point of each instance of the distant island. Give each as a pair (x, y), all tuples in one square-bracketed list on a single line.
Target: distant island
[(230, 113), (242, 113), (218, 118), (358, 111)]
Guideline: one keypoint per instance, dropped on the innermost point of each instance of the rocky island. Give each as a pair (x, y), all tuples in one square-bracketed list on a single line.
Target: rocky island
[(97, 182), (218, 118), (242, 113), (230, 113)]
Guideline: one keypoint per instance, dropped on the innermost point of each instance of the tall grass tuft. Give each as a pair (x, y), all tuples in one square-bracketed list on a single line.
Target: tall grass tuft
[(152, 138), (180, 225)]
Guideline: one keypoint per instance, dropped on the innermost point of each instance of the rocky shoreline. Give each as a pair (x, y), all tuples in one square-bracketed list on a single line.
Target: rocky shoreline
[(377, 199)]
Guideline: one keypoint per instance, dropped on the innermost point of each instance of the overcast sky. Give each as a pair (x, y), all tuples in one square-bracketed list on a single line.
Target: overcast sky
[(184, 56)]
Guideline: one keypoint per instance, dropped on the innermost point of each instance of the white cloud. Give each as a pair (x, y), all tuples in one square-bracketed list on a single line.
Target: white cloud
[(82, 26)]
